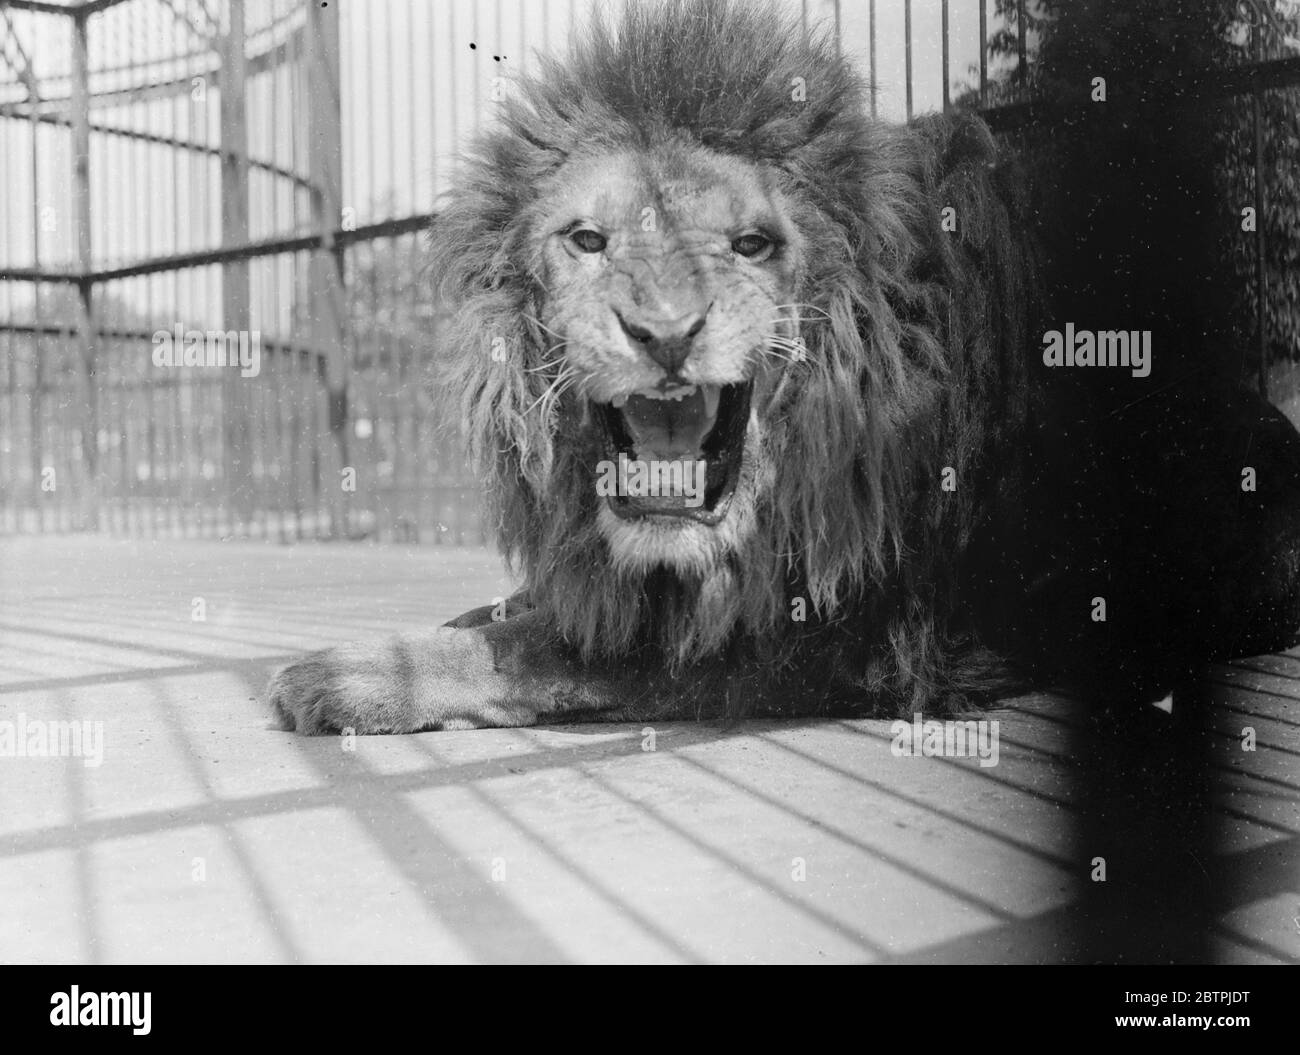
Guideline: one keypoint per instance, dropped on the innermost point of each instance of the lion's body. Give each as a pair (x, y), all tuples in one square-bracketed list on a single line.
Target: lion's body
[(699, 207)]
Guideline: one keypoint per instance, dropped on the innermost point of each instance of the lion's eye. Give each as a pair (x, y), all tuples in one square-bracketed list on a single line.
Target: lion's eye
[(751, 246), (587, 240)]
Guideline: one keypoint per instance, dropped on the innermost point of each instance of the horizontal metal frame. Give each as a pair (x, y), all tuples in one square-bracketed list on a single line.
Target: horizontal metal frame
[(273, 345), (338, 238), (16, 112), (258, 62), (69, 10)]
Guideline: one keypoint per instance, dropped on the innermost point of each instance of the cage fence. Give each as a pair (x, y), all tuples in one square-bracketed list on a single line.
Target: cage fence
[(245, 186), (232, 179)]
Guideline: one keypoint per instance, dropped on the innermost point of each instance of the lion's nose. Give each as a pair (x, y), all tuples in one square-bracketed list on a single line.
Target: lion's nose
[(666, 341)]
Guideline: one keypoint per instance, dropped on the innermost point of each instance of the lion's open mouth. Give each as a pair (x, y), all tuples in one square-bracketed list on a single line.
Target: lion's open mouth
[(660, 437)]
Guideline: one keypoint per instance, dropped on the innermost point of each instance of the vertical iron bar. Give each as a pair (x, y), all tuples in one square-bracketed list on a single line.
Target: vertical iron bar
[(871, 18), (478, 73), (386, 398), (418, 455), (406, 410), (984, 52), (38, 372), (80, 104), (947, 100), (235, 274), (299, 93), (433, 110), (179, 160), (1261, 261), (453, 51), (1022, 35), (907, 53), (9, 500), (150, 394), (414, 175), (270, 385), (327, 294), (195, 165), (132, 437)]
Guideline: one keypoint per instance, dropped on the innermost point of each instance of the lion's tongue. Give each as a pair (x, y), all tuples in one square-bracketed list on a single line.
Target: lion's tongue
[(668, 429)]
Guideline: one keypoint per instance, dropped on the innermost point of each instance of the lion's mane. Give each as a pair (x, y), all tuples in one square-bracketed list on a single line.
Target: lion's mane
[(909, 359)]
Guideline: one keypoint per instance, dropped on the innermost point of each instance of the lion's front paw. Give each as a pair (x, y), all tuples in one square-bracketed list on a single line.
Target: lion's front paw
[(357, 687), (307, 696), (441, 679)]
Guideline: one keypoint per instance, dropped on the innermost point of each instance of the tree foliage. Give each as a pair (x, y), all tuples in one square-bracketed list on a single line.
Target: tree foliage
[(1172, 48)]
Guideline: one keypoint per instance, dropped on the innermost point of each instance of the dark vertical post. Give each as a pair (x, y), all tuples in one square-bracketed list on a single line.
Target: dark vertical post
[(907, 53), (328, 300), (1022, 35), (947, 100), (80, 116), (1261, 262), (871, 16), (984, 52), (36, 410), (236, 419), (453, 51)]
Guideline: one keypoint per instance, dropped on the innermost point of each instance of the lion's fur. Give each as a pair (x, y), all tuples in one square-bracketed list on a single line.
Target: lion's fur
[(912, 369)]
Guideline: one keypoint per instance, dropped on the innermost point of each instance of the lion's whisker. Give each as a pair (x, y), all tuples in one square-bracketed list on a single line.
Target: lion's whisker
[(549, 364), (799, 304), (542, 326), (565, 380), (791, 348), (777, 354)]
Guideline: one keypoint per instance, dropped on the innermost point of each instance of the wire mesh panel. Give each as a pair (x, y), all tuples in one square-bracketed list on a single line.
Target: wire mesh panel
[(214, 315)]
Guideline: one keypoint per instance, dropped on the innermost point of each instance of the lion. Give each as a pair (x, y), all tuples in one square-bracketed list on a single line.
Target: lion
[(689, 246)]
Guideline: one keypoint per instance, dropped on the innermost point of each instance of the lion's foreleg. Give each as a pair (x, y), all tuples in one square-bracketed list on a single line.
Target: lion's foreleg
[(511, 672)]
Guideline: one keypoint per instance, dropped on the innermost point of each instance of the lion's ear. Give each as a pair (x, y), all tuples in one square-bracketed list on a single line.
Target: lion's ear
[(970, 142), (955, 141)]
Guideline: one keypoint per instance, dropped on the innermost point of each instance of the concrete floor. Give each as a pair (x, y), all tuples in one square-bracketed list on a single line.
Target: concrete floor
[(207, 836)]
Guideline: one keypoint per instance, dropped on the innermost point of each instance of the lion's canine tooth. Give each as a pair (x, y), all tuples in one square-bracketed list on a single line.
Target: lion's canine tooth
[(618, 402), (712, 393)]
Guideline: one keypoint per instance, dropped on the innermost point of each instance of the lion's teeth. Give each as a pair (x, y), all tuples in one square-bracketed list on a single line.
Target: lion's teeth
[(712, 393), (618, 402), (676, 395)]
